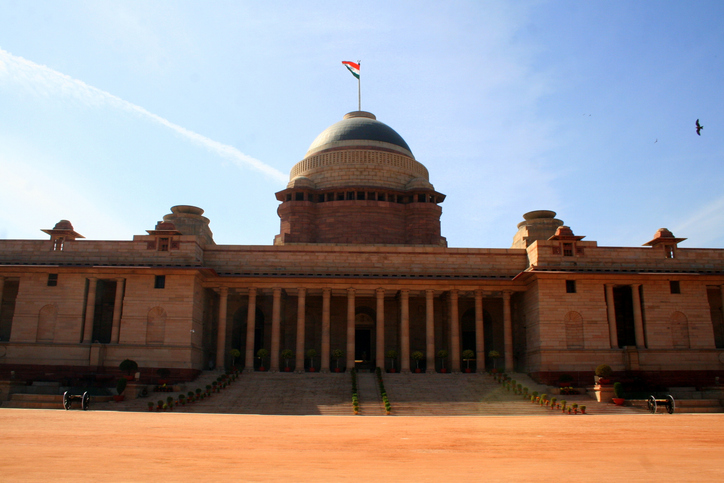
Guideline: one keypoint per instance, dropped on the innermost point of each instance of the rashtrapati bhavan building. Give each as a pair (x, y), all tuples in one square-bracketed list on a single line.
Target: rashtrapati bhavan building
[(360, 265)]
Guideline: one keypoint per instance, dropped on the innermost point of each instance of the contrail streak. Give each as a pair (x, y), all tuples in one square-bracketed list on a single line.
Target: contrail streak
[(46, 82)]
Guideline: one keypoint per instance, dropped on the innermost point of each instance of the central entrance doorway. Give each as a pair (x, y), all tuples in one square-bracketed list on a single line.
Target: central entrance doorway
[(363, 339)]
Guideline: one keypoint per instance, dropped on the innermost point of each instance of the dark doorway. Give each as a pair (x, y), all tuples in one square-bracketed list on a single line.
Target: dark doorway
[(7, 308), (103, 315), (623, 305), (362, 345)]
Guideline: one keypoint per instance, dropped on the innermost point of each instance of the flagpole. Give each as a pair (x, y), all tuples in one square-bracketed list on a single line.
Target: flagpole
[(359, 87)]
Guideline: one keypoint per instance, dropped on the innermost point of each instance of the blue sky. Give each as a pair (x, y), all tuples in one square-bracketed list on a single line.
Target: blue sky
[(112, 112)]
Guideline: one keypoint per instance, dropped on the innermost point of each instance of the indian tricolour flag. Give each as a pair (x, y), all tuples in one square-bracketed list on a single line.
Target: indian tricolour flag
[(353, 68)]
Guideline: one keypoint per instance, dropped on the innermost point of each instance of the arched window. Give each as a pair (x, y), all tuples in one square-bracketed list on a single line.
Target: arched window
[(46, 323), (679, 330), (156, 326), (574, 330)]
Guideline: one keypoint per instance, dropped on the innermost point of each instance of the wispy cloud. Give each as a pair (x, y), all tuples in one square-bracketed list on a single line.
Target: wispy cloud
[(46, 82), (705, 224)]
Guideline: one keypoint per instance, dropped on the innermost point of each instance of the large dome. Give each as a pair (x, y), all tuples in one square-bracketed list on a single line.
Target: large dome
[(359, 151), (356, 127)]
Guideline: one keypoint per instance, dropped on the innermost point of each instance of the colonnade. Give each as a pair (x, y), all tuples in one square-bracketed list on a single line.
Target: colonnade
[(351, 295)]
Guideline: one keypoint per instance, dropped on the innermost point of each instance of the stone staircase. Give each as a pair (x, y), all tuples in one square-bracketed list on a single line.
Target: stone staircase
[(262, 393), (475, 395), (330, 394)]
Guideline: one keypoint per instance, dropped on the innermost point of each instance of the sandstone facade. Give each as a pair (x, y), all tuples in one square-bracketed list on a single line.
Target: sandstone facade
[(360, 265)]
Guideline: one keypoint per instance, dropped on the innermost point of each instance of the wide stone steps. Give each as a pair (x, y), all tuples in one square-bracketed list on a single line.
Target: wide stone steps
[(264, 393), (471, 395)]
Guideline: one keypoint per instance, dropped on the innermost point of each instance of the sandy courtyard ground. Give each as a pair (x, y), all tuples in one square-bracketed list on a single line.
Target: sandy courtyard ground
[(54, 445)]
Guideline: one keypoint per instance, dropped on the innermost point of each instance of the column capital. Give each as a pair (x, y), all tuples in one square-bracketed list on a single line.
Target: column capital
[(301, 292), (350, 292), (478, 292), (380, 291), (252, 291)]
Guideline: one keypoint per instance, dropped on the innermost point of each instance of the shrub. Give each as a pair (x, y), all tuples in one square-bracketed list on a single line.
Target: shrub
[(618, 389), (604, 370), (128, 366)]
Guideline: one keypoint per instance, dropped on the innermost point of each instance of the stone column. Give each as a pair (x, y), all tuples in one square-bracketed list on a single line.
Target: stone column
[(405, 331), (638, 320), (117, 308), (350, 328), (380, 329), (301, 319), (276, 328), (221, 335), (479, 333), (611, 312), (508, 333), (430, 330), (250, 331), (90, 309), (454, 332), (326, 297)]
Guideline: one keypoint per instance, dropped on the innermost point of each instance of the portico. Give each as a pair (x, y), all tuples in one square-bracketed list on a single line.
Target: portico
[(390, 316)]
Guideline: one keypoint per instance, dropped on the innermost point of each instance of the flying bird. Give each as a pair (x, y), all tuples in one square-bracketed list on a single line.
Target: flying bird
[(699, 127)]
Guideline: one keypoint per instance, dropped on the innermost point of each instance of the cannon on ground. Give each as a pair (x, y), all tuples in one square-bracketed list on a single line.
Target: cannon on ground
[(83, 398)]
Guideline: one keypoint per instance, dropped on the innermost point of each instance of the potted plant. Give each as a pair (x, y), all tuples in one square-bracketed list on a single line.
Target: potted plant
[(417, 356), (129, 367), (442, 355), (262, 354), (311, 353), (163, 374), (150, 405), (286, 355), (618, 399), (583, 409), (467, 356), (235, 353), (337, 354), (603, 374), (392, 355), (575, 408), (120, 387), (495, 355)]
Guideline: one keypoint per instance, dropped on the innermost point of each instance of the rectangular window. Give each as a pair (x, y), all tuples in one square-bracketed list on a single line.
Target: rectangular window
[(568, 249), (163, 244), (674, 286), (570, 286), (160, 281), (52, 280), (669, 251)]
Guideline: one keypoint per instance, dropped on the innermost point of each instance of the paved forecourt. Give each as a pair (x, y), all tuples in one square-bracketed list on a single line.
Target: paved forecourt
[(52, 445)]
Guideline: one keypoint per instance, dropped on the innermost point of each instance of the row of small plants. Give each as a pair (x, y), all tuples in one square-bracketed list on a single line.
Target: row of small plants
[(221, 382), (383, 393), (511, 385), (355, 396)]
